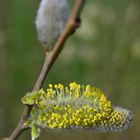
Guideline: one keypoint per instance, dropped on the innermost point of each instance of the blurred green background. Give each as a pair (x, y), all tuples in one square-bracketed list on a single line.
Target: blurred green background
[(104, 52)]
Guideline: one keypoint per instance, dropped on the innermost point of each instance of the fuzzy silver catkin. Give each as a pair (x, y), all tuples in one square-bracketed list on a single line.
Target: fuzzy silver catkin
[(50, 22)]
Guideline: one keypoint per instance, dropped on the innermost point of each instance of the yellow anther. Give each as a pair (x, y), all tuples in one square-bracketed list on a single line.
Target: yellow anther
[(50, 85)]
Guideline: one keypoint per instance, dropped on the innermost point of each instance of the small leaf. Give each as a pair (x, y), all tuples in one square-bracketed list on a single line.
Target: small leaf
[(28, 123), (31, 98), (28, 100), (35, 132)]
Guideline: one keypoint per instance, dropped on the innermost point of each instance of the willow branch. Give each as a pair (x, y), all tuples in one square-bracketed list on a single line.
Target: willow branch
[(49, 61)]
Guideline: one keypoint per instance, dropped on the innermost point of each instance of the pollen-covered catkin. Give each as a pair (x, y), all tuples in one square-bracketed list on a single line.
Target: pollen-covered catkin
[(76, 106), (50, 22)]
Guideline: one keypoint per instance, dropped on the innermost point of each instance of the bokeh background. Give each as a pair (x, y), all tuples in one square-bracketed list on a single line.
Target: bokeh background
[(104, 52)]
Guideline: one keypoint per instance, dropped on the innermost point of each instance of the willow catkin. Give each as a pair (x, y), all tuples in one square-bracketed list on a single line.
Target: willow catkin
[(76, 106), (50, 22)]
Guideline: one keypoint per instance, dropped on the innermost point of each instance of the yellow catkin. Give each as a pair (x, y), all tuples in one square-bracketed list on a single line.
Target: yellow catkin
[(77, 106)]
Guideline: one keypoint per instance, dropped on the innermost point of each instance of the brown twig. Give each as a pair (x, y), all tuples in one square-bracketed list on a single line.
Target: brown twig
[(49, 61)]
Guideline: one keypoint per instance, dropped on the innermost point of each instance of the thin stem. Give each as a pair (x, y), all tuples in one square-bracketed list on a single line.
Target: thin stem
[(49, 61)]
